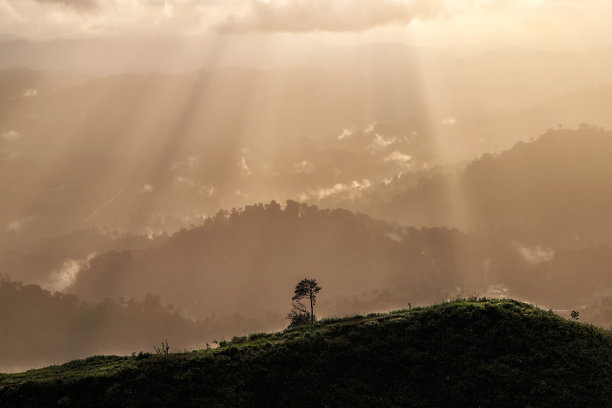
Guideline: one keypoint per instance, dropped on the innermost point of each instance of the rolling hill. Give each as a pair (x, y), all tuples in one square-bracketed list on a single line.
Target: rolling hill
[(249, 260), (500, 353)]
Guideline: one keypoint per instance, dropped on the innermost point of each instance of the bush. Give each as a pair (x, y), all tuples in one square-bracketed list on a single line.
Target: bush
[(239, 339), (256, 336), (298, 319)]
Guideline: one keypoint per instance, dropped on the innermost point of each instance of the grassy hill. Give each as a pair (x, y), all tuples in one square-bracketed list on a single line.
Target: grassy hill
[(485, 352)]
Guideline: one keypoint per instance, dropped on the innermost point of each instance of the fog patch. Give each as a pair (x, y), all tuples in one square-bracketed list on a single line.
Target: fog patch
[(344, 134), (355, 187), (208, 190), (398, 156), (11, 136), (184, 181), (28, 93), (304, 167), (147, 188), (190, 162), (370, 127), (65, 276), (15, 225), (393, 236), (450, 121), (381, 142), (239, 193), (535, 255), (244, 167)]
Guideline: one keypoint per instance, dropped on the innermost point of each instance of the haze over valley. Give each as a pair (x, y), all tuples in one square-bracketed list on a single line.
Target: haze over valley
[(170, 170)]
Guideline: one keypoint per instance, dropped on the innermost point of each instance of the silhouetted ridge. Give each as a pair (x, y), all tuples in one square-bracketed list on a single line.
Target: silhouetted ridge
[(553, 191), (498, 353), (250, 259), (40, 327)]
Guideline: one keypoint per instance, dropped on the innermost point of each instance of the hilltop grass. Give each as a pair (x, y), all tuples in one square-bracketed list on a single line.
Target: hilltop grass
[(487, 352)]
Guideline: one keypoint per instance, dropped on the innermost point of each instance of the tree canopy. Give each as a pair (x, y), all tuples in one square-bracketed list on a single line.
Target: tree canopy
[(306, 289)]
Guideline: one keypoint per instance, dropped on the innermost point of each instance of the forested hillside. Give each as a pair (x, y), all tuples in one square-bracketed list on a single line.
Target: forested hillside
[(498, 353), (553, 191)]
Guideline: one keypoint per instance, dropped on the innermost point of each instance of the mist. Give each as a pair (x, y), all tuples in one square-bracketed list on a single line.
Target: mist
[(183, 165)]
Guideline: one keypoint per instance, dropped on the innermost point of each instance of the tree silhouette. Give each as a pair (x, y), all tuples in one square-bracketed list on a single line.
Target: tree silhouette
[(298, 315), (305, 289), (163, 349)]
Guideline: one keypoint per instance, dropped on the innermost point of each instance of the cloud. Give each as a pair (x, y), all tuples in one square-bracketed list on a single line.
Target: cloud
[(450, 121), (345, 133), (354, 188), (81, 5), (29, 93), (381, 142), (208, 189), (15, 226), (244, 167), (398, 156), (147, 188), (331, 15), (184, 181), (65, 276), (18, 224), (536, 254), (190, 163), (304, 167), (11, 136)]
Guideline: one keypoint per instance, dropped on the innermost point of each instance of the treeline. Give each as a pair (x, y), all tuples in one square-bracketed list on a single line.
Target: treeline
[(499, 353), (33, 260), (250, 259), (40, 327), (553, 191), (247, 260)]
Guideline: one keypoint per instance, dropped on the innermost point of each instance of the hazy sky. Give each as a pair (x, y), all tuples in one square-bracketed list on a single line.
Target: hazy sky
[(445, 24)]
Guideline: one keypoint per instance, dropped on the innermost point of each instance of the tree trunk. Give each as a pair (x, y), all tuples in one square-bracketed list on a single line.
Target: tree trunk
[(311, 307)]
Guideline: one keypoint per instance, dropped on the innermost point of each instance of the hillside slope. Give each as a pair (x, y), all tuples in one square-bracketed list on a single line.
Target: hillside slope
[(464, 353), (552, 191), (250, 259)]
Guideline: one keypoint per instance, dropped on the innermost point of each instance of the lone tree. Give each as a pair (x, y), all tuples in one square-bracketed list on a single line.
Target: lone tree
[(306, 289)]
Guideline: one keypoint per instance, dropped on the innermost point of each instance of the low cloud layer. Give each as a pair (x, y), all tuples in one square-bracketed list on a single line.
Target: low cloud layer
[(331, 15), (75, 4)]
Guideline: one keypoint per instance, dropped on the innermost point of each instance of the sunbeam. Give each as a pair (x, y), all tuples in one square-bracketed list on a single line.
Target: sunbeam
[(178, 173)]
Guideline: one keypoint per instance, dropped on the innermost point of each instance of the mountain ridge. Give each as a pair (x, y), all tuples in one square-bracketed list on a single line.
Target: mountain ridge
[(467, 352)]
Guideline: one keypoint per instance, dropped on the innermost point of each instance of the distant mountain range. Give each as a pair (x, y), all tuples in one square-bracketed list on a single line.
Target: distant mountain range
[(530, 210), (166, 150), (552, 191)]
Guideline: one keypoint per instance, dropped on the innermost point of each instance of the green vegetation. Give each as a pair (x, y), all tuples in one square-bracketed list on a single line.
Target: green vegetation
[(485, 352), (40, 326)]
